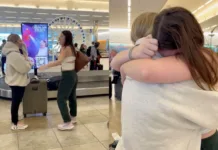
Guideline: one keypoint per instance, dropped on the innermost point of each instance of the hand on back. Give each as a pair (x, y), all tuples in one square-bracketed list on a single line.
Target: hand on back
[(147, 48)]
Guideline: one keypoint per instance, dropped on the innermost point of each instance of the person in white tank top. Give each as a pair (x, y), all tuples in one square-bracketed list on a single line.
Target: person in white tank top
[(68, 83), (160, 76)]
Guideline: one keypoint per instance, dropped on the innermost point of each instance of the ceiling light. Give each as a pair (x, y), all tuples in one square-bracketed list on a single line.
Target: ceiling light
[(129, 3), (56, 14), (7, 5), (36, 18), (101, 10), (208, 2), (26, 12), (10, 12), (202, 6), (27, 6), (96, 16), (10, 17), (207, 10), (63, 8), (84, 9), (84, 15), (24, 18), (47, 7), (42, 13)]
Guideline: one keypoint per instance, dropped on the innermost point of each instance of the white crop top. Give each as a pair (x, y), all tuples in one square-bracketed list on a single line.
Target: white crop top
[(68, 63)]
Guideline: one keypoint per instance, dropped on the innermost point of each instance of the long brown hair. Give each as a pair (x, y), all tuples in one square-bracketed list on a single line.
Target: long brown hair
[(177, 28)]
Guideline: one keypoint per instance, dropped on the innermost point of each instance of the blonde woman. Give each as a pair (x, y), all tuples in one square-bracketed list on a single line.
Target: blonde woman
[(169, 70), (17, 68)]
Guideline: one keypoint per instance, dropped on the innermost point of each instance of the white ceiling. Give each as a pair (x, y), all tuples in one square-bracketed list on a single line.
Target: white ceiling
[(12, 15), (188, 4), (60, 4)]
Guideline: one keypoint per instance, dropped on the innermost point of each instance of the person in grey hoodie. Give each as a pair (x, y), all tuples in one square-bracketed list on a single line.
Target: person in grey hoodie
[(17, 68)]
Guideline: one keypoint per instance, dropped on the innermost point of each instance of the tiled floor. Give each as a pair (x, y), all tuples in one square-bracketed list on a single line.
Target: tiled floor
[(91, 132), (115, 116)]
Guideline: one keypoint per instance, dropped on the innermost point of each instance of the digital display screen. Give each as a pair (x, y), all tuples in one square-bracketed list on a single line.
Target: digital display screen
[(35, 36)]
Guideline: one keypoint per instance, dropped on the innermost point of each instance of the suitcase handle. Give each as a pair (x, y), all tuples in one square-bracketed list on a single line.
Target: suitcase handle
[(34, 81), (35, 88)]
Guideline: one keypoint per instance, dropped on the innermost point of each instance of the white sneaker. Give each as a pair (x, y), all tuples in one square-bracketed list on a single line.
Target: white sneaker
[(65, 126), (19, 126), (73, 120)]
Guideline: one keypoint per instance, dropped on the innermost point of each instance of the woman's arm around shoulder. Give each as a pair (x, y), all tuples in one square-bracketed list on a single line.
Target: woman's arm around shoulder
[(164, 70)]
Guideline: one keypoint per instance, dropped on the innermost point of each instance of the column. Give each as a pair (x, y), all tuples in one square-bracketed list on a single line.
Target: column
[(123, 13), (95, 30)]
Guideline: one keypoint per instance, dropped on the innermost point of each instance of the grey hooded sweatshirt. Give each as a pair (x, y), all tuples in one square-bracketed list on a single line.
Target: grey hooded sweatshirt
[(17, 67)]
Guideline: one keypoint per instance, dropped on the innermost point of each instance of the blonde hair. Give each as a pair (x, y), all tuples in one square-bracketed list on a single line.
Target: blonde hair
[(13, 38), (142, 26)]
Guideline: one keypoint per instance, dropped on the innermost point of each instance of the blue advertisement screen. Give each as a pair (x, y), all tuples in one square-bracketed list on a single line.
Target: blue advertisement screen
[(35, 36)]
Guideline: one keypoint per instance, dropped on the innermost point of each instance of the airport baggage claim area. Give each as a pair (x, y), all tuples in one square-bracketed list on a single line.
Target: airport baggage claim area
[(39, 24)]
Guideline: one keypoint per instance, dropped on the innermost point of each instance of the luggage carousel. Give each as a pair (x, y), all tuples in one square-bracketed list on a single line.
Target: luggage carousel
[(91, 83)]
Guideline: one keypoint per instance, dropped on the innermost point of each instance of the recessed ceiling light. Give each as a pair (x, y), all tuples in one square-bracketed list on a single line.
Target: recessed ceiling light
[(26, 12), (11, 12), (63, 8), (36, 18), (47, 7), (42, 13), (84, 15), (99, 10), (56, 14), (10, 17), (97, 16), (84, 9), (24, 18), (27, 6)]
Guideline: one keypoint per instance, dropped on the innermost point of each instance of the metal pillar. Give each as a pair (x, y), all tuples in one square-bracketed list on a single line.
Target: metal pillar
[(95, 31)]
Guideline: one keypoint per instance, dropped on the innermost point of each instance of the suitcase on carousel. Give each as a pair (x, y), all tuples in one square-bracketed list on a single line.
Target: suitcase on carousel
[(35, 97), (99, 67)]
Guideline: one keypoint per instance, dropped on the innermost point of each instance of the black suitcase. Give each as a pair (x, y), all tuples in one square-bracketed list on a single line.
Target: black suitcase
[(53, 83), (99, 67)]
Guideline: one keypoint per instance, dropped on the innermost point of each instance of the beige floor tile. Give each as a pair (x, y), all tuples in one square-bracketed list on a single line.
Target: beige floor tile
[(5, 127), (107, 143), (100, 106), (90, 146), (54, 120), (85, 108), (8, 142), (99, 130), (38, 139), (53, 108), (79, 135), (105, 112), (89, 113), (36, 123), (93, 119)]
